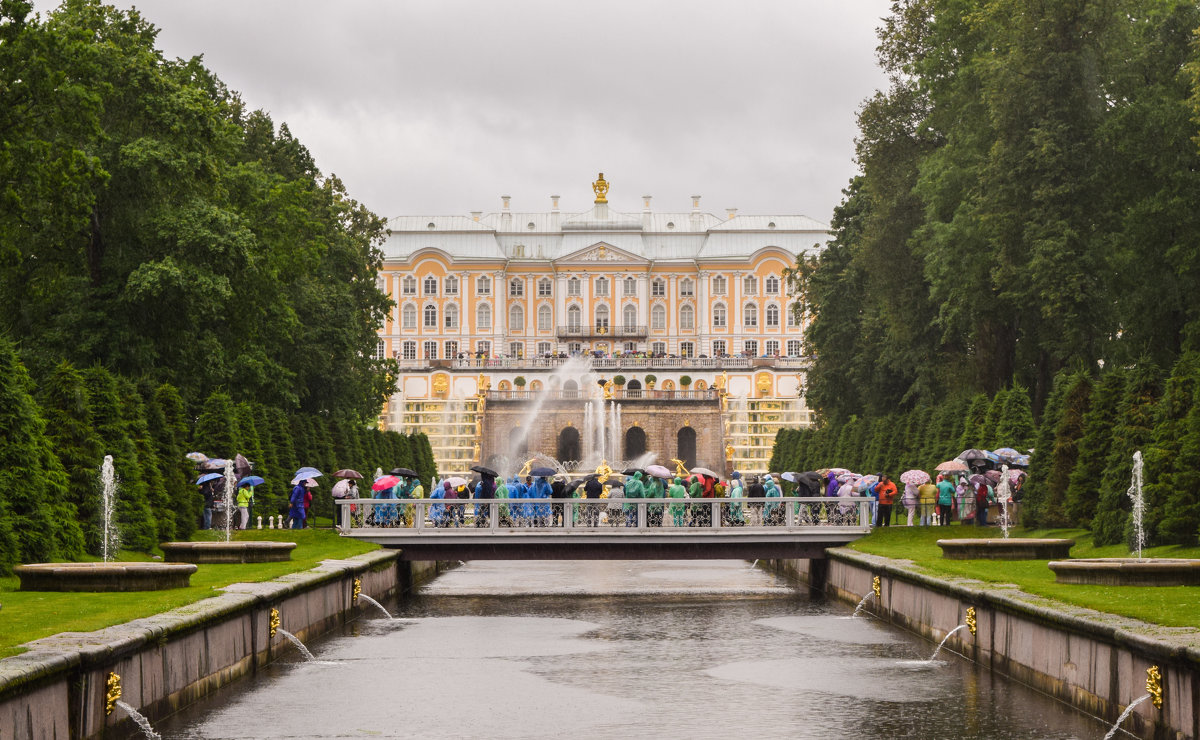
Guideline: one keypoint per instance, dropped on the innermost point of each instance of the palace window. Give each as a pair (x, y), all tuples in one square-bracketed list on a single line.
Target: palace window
[(574, 318), (574, 348), (750, 285), (772, 348), (483, 285), (451, 350), (431, 316), (483, 347), (516, 318), (602, 286), (408, 285), (629, 318), (793, 348), (659, 348), (451, 316), (719, 285), (451, 284), (544, 318), (516, 349), (380, 350), (516, 288), (573, 286), (687, 349), (631, 346), (771, 285), (718, 347), (630, 287), (545, 287), (544, 348), (483, 317), (602, 317), (687, 318), (750, 348), (750, 316), (430, 350), (429, 286), (658, 288), (687, 287), (408, 316), (409, 350), (792, 320), (658, 317), (719, 316), (772, 315)]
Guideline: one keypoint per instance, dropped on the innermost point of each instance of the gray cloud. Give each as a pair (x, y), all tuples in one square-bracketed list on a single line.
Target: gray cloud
[(440, 107)]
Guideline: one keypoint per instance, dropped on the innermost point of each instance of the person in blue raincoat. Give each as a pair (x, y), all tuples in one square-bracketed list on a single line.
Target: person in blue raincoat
[(296, 505), (541, 512), (518, 490), (634, 489), (772, 512), (736, 490), (437, 512)]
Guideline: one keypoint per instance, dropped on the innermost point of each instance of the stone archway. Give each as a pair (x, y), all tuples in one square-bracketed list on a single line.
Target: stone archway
[(635, 442), (570, 390), (685, 441), (569, 445)]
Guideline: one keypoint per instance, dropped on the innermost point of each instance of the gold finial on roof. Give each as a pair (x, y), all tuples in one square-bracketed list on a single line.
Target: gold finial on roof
[(600, 188)]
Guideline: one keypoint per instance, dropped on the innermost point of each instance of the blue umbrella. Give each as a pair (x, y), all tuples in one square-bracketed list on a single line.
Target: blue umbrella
[(307, 472), (207, 477), (250, 480)]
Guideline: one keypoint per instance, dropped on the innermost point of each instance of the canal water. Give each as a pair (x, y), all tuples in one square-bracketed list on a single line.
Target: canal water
[(590, 649)]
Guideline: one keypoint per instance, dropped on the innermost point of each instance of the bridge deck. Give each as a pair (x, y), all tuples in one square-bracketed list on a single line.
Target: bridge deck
[(606, 529)]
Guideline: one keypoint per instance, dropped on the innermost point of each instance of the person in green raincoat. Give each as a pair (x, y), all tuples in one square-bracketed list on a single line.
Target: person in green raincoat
[(677, 510), (701, 513), (736, 490), (502, 492), (635, 489), (654, 512)]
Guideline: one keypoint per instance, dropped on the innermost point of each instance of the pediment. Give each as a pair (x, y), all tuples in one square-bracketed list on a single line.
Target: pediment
[(601, 252)]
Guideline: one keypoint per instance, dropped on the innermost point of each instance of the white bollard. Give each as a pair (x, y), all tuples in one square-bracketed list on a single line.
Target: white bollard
[(271, 522), (260, 522)]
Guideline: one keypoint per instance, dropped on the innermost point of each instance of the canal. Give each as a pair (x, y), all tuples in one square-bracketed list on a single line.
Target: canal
[(583, 649)]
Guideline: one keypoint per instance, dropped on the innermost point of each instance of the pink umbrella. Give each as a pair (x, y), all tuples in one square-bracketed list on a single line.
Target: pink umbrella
[(914, 477), (952, 466), (387, 481)]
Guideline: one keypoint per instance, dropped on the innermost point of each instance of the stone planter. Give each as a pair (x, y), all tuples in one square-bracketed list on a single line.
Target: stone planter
[(1015, 548), (104, 576), (1128, 571), (227, 552)]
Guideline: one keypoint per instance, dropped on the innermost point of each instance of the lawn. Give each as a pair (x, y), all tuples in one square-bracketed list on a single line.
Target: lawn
[(29, 615), (1171, 606)]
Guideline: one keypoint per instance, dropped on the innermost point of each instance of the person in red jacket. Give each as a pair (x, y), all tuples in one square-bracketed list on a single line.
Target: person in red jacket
[(887, 496)]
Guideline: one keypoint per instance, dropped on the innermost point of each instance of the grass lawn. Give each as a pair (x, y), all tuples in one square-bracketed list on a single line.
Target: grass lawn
[(29, 615), (1171, 606)]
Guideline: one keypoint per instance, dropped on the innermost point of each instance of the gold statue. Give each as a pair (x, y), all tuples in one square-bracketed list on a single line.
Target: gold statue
[(482, 382), (600, 188), (724, 386), (728, 451), (526, 468), (608, 390), (603, 471), (680, 470)]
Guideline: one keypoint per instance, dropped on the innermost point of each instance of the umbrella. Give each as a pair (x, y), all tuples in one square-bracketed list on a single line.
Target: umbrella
[(310, 483), (914, 477), (404, 472), (838, 471), (1006, 453), (483, 470), (993, 476), (542, 472), (847, 476), (455, 481), (575, 484), (250, 480), (196, 456), (864, 482), (213, 463), (341, 489), (347, 473), (307, 472), (241, 466), (973, 454), (387, 481), (791, 477), (659, 471), (978, 478), (207, 477), (1015, 475), (1021, 461), (952, 466), (630, 471), (705, 471)]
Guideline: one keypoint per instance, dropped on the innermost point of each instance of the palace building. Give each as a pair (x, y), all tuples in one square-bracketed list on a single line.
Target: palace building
[(688, 313)]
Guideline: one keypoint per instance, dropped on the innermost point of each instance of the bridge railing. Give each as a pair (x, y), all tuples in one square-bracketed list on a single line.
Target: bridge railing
[(433, 517)]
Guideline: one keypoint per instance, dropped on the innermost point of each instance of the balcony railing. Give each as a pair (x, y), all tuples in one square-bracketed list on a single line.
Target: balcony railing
[(708, 394), (611, 363), (621, 331)]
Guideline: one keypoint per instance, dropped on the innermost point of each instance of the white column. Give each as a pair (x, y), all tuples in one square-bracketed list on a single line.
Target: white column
[(672, 310), (702, 313), (500, 315)]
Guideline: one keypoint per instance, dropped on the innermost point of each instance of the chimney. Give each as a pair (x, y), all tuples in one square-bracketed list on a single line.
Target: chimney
[(696, 220), (554, 214), (506, 215), (646, 220), (730, 213), (554, 204), (475, 215)]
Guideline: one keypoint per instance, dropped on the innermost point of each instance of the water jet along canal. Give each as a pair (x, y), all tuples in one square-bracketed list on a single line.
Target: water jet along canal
[(623, 648)]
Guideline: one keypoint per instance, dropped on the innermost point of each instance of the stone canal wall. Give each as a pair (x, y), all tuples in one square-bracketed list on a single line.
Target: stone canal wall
[(1091, 660), (57, 688)]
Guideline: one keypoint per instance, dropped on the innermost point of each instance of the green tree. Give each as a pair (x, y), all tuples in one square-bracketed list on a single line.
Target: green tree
[(1015, 427), (1093, 448), (158, 499), (64, 402), (216, 431), (1132, 431), (168, 422)]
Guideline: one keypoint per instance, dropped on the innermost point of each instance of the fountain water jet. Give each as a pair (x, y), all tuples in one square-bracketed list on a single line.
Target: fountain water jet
[(1128, 711), (1139, 503), (108, 502), (861, 604), (381, 607), (140, 720), (296, 641), (1003, 492), (943, 642), (230, 487)]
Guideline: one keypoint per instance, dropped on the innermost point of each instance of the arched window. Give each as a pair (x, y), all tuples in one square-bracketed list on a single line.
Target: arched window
[(545, 316), (635, 442), (658, 288), (409, 285), (451, 284), (687, 318), (451, 316), (483, 317), (574, 318), (568, 447), (545, 287), (772, 285), (685, 441), (750, 316), (516, 288), (719, 316), (772, 315), (429, 287), (574, 286), (408, 316), (602, 286), (629, 318), (630, 287), (516, 318), (719, 285), (601, 317), (750, 285), (687, 287), (658, 317), (431, 316), (483, 285)]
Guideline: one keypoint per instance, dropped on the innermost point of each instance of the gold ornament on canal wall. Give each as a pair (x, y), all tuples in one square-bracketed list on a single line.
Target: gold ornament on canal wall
[(273, 625), (876, 588), (112, 692), (357, 591), (971, 619), (1154, 686)]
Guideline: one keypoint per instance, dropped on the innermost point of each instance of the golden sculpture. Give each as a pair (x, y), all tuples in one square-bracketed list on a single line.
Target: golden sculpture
[(728, 451), (971, 619), (441, 384), (112, 692), (475, 450), (724, 382), (603, 471), (600, 188), (526, 468), (1154, 686), (680, 470), (608, 390), (356, 591), (876, 588), (483, 384), (273, 625)]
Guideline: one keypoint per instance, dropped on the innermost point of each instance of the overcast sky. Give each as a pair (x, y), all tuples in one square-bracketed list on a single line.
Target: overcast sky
[(440, 107)]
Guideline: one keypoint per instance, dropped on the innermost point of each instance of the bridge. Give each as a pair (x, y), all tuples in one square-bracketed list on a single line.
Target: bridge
[(607, 529)]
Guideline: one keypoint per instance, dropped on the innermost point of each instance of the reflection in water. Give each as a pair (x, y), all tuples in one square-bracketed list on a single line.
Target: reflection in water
[(686, 649)]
